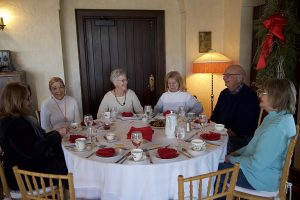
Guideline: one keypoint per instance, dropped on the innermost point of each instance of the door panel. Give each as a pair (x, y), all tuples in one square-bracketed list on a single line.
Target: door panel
[(132, 40)]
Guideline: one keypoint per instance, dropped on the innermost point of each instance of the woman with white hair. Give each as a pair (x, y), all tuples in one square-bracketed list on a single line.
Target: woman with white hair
[(124, 99)]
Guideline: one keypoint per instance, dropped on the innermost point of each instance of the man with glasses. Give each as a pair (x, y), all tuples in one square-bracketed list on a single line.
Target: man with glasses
[(237, 108)]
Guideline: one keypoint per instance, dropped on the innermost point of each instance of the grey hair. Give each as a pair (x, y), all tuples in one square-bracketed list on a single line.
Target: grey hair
[(116, 73), (241, 71)]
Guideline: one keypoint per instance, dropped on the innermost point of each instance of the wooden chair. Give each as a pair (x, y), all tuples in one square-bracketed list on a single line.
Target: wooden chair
[(240, 192), (226, 190), (8, 193), (30, 189), (260, 116)]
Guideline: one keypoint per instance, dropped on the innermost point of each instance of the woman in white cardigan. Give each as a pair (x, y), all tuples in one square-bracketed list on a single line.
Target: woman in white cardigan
[(176, 96), (121, 98), (59, 110)]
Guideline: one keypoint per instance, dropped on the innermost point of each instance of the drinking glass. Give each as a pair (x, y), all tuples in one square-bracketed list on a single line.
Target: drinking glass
[(114, 112), (88, 120), (181, 111), (203, 120), (191, 116), (180, 134), (136, 139), (148, 110)]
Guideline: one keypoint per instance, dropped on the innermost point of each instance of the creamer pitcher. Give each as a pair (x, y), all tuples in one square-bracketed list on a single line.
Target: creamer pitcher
[(171, 122)]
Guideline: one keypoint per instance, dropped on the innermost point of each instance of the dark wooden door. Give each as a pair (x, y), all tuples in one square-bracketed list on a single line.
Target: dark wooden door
[(110, 39)]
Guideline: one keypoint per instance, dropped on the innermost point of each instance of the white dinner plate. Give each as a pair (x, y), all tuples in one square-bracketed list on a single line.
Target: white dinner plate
[(144, 160), (88, 147)]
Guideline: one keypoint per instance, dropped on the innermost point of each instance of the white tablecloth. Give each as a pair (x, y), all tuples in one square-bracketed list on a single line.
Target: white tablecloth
[(98, 178)]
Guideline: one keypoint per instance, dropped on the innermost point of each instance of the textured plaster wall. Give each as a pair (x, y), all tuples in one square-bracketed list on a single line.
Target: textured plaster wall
[(33, 35)]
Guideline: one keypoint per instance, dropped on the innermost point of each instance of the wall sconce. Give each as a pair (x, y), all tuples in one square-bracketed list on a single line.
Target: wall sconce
[(211, 62), (2, 25)]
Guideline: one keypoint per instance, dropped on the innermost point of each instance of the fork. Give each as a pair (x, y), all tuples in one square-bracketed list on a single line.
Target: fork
[(190, 138)]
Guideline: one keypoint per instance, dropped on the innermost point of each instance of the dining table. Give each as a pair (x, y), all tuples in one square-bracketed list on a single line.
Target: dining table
[(119, 177)]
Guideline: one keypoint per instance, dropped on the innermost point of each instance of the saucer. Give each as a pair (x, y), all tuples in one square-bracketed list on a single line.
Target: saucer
[(143, 160), (88, 147), (110, 141), (195, 153)]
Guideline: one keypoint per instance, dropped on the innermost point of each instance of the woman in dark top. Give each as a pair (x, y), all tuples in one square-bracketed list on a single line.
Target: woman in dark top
[(23, 142)]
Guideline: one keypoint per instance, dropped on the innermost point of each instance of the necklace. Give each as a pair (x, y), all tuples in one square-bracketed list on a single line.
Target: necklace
[(63, 114), (121, 104)]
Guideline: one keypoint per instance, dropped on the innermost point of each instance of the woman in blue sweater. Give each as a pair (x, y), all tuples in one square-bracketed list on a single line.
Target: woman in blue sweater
[(261, 161)]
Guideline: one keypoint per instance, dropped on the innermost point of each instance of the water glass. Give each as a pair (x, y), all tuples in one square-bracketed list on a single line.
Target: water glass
[(88, 120), (148, 110), (203, 120), (180, 134), (114, 112), (136, 139), (181, 111)]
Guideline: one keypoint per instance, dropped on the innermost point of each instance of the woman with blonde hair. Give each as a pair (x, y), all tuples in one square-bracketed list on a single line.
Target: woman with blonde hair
[(176, 96), (25, 144), (59, 110), (121, 98)]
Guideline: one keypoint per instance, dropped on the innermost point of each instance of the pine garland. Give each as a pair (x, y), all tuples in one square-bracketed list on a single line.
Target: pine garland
[(281, 61)]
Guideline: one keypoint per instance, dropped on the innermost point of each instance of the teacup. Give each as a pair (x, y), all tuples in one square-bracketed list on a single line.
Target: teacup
[(74, 126), (80, 143), (110, 136), (137, 154), (198, 145), (219, 127)]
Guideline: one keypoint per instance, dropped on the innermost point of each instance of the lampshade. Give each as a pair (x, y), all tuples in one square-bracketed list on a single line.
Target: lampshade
[(211, 62)]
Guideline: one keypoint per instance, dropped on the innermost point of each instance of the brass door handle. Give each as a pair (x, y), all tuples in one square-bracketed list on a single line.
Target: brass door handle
[(151, 84)]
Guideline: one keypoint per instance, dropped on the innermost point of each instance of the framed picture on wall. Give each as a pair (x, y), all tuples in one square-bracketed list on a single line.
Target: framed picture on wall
[(204, 41), (5, 61)]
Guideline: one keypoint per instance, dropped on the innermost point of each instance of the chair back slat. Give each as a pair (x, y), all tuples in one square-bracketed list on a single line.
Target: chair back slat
[(287, 164), (5, 187), (230, 176), (42, 191)]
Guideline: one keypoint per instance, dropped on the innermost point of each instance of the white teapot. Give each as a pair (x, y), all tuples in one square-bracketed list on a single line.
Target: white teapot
[(171, 123)]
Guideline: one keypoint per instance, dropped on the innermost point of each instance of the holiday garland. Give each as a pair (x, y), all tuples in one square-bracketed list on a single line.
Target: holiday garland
[(278, 30)]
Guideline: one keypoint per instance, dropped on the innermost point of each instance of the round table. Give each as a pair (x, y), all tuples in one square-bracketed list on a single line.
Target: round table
[(101, 178)]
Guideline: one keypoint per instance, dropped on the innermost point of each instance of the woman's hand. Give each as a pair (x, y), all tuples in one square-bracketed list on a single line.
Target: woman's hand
[(62, 131), (227, 157)]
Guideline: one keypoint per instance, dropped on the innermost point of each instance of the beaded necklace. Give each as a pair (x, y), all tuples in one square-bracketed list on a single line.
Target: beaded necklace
[(121, 104)]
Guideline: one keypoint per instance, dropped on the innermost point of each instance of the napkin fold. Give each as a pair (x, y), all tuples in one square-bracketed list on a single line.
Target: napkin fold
[(83, 124), (166, 112), (72, 138), (167, 153), (146, 131), (106, 152), (127, 114), (211, 136)]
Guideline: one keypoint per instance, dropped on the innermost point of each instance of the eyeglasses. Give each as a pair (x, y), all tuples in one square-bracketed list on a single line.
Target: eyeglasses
[(123, 80), (261, 92), (229, 74)]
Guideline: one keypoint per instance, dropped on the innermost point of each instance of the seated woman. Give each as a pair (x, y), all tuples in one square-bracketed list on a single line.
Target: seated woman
[(261, 161), (176, 96), (124, 99), (25, 144), (59, 110)]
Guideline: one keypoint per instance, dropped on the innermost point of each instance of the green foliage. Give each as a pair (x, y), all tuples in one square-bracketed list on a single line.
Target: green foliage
[(281, 54)]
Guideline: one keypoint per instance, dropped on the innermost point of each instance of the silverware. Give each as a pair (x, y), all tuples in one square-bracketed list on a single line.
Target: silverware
[(127, 154), (190, 138), (125, 158), (186, 151), (212, 143), (145, 150), (148, 155), (185, 154), (90, 154)]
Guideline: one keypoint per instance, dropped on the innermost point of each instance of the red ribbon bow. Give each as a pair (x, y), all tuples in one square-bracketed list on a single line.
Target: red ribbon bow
[(275, 25)]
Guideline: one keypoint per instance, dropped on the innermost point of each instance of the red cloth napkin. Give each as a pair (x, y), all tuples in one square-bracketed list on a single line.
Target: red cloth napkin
[(167, 153), (166, 112), (82, 123), (146, 131), (211, 136), (127, 114), (106, 152), (72, 138)]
